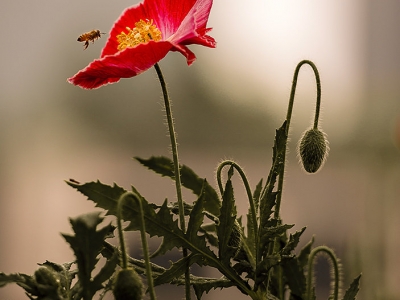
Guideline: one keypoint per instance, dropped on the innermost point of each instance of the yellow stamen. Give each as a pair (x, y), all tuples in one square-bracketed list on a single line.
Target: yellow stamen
[(143, 32)]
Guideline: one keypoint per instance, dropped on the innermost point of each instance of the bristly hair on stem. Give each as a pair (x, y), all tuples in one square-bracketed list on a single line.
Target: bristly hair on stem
[(335, 271), (177, 175), (289, 117)]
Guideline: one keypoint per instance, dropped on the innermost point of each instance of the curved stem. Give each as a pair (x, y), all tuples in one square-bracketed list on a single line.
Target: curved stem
[(145, 246), (335, 266), (247, 187), (177, 174), (288, 119)]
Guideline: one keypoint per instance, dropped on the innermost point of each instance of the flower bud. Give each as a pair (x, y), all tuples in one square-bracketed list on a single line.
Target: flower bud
[(313, 149), (128, 285), (48, 283)]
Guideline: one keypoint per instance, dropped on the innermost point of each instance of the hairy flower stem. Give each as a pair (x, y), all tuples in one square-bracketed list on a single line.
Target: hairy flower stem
[(288, 119), (335, 266), (283, 158), (145, 246), (177, 174)]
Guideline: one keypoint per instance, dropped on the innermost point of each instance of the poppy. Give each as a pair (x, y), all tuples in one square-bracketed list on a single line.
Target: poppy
[(143, 35)]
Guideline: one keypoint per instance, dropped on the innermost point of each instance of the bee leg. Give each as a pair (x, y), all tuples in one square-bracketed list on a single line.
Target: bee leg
[(86, 45)]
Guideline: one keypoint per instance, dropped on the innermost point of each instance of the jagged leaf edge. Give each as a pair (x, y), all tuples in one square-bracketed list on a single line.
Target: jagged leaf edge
[(352, 291), (164, 166)]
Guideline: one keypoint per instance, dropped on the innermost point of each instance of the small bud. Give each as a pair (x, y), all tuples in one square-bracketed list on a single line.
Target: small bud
[(128, 285), (48, 283), (313, 149)]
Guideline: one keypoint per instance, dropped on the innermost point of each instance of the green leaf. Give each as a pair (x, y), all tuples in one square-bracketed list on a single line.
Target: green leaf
[(28, 283), (203, 285), (294, 240), (227, 219), (209, 230), (178, 269), (268, 198), (196, 218), (160, 224), (294, 274), (50, 281), (351, 293), (262, 270), (305, 253), (87, 244), (251, 238), (103, 195), (164, 166), (107, 271), (157, 224), (138, 264), (269, 233)]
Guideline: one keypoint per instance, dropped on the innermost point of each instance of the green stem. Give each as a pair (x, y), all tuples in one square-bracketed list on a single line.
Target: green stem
[(124, 255), (177, 174), (282, 160), (247, 187), (143, 237), (335, 266), (288, 119)]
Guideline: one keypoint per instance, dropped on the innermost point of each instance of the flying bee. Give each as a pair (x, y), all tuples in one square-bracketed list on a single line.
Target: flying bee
[(89, 36)]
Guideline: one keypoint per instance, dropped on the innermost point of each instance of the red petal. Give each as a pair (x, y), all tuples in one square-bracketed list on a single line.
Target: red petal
[(125, 64), (190, 57), (167, 15), (193, 28)]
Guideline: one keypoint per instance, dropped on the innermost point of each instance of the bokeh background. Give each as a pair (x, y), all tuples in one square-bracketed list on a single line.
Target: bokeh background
[(226, 105)]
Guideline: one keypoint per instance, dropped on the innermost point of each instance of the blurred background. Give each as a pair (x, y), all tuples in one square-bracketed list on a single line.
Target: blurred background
[(226, 105)]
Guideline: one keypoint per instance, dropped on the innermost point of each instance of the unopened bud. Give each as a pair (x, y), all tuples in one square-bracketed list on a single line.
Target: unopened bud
[(48, 283), (313, 149), (128, 285)]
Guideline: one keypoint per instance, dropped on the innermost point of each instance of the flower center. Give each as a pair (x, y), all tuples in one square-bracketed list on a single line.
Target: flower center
[(143, 32)]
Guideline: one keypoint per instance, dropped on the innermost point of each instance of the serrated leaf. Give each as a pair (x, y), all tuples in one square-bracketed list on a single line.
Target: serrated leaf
[(249, 253), (269, 233), (227, 219), (268, 196), (294, 274), (251, 238), (27, 282), (196, 218), (104, 196), (294, 240), (209, 231), (262, 270), (160, 224), (177, 269), (87, 244), (204, 285), (352, 291), (305, 253), (190, 180), (106, 271), (138, 264)]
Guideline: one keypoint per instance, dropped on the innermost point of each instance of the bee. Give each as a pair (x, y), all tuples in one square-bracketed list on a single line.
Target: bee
[(89, 36)]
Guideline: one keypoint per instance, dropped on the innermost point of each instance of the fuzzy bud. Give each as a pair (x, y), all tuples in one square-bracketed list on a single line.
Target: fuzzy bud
[(128, 285), (48, 283), (313, 149)]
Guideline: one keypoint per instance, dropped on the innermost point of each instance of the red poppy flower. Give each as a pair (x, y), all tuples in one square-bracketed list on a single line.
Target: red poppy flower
[(143, 35)]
